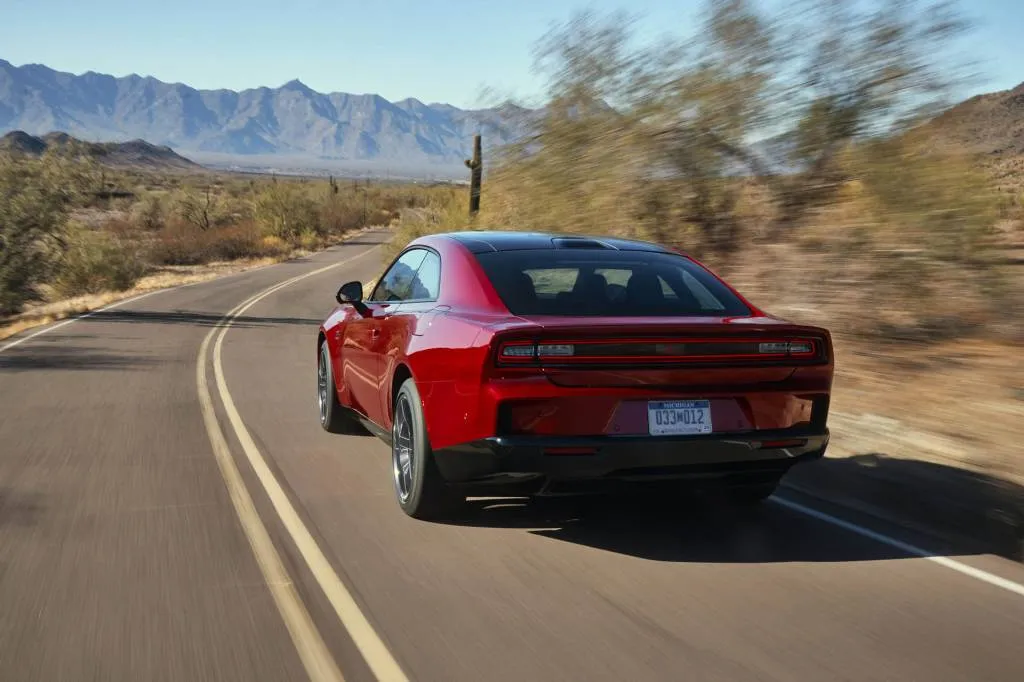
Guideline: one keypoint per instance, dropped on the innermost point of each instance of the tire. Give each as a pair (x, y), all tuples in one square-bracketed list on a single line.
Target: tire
[(419, 487), (333, 417)]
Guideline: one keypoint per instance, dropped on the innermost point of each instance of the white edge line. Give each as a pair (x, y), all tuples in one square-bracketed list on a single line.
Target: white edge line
[(76, 318), (952, 564), (372, 648)]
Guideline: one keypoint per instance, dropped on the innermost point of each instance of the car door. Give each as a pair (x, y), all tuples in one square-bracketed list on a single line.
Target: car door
[(408, 320), (364, 341)]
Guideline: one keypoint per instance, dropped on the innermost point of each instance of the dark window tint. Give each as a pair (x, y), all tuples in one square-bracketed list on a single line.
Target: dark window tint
[(605, 282), (397, 282)]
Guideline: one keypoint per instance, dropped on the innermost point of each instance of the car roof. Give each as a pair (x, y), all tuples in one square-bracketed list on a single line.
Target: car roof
[(490, 241)]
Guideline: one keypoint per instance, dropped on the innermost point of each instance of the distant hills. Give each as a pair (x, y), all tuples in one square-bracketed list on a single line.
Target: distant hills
[(131, 154), (988, 124), (290, 121)]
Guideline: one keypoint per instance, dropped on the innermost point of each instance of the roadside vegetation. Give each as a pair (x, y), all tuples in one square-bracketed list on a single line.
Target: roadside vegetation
[(794, 153), (788, 150), (70, 227)]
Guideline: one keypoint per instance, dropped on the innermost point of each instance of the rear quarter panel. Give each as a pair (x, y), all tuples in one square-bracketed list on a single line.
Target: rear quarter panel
[(447, 363), (448, 350)]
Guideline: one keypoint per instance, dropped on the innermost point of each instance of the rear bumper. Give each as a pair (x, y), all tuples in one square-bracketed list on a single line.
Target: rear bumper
[(505, 460)]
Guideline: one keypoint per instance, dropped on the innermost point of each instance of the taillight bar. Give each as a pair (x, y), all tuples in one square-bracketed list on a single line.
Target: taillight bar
[(662, 350)]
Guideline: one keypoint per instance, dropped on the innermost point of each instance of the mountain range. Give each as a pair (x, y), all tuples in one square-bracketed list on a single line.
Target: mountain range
[(295, 128), (291, 121), (131, 154)]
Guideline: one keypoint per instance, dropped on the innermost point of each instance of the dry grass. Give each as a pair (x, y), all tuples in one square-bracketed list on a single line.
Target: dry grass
[(958, 402)]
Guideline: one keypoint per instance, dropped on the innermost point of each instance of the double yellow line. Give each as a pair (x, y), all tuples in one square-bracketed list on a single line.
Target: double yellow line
[(315, 656)]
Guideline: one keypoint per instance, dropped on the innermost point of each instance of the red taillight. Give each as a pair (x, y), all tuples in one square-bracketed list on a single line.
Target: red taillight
[(658, 350)]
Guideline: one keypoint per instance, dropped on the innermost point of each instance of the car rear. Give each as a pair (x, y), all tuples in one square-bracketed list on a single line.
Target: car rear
[(618, 366)]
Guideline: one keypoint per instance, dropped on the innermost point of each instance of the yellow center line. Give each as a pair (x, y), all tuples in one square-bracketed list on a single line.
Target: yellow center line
[(313, 652), (315, 656)]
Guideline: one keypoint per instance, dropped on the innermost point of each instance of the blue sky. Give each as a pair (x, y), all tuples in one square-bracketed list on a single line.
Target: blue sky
[(434, 50)]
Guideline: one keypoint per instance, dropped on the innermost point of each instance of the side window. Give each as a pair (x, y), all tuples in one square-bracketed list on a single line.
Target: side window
[(396, 284), (427, 284)]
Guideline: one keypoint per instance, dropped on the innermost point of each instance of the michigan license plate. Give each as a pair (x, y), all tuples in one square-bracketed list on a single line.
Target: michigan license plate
[(678, 417)]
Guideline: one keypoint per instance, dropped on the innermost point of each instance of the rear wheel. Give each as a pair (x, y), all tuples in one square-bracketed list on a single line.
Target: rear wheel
[(419, 487), (333, 417)]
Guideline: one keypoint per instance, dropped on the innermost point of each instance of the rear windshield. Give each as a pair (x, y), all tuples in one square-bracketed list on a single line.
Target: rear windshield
[(606, 282)]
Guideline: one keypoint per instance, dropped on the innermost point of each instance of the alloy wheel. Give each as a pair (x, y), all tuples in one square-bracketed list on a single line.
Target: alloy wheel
[(403, 449)]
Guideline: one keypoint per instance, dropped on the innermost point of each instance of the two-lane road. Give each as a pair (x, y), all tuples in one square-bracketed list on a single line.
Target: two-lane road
[(167, 514)]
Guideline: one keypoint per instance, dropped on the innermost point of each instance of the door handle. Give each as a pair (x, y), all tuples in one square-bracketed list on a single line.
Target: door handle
[(374, 333)]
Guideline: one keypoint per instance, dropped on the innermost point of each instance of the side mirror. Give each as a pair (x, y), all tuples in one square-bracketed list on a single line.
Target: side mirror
[(350, 292)]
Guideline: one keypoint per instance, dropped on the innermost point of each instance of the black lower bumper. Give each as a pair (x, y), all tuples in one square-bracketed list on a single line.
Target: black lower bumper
[(507, 460)]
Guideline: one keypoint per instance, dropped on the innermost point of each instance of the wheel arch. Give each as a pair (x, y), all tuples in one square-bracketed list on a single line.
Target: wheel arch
[(323, 341), (398, 377)]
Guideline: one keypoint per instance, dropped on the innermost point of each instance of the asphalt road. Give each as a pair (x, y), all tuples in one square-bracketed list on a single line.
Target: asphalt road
[(136, 545)]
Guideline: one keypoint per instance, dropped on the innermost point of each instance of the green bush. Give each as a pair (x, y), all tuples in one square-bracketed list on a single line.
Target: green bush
[(95, 262), (33, 213), (283, 209), (148, 213)]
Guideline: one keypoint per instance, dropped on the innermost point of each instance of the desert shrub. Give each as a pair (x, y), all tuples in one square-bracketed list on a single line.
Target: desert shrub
[(148, 213), (446, 212), (283, 209), (340, 212), (310, 240), (97, 261), (199, 208), (181, 244), (241, 241), (33, 215)]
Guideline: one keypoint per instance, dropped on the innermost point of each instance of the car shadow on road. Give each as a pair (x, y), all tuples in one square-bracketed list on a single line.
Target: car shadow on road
[(971, 513), (18, 509), (199, 319), (53, 357), (682, 531), (970, 507)]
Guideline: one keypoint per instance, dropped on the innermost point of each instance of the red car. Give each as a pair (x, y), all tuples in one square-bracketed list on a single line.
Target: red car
[(499, 363)]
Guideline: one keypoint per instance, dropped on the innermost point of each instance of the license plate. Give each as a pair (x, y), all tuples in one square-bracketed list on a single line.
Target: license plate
[(678, 417)]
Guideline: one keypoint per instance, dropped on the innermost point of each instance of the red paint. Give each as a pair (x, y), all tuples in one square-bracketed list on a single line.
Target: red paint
[(450, 348)]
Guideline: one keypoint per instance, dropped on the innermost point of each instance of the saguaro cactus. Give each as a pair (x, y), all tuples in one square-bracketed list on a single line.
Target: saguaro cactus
[(476, 167)]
